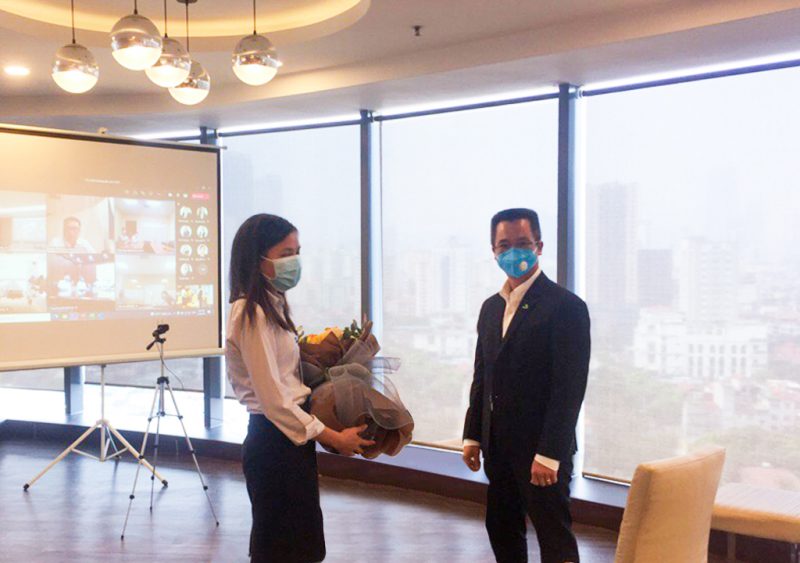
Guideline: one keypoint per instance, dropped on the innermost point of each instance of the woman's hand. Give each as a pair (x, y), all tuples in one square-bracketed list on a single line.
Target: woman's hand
[(348, 442)]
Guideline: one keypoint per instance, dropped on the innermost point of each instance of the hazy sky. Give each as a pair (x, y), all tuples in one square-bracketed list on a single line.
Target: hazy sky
[(443, 176), (446, 175), (715, 158), (309, 177)]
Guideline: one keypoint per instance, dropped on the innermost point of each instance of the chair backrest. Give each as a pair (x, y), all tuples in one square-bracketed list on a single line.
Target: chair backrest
[(668, 514)]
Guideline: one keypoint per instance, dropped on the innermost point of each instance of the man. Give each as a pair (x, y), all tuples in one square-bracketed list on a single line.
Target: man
[(71, 240), (531, 366)]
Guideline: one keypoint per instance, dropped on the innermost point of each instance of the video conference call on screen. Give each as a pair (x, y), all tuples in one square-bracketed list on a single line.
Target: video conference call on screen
[(78, 257)]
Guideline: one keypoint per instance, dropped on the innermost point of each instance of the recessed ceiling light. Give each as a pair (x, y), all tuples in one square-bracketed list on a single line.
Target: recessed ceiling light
[(17, 70)]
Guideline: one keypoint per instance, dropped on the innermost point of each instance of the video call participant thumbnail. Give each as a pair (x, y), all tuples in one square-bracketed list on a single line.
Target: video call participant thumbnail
[(70, 239), (80, 282)]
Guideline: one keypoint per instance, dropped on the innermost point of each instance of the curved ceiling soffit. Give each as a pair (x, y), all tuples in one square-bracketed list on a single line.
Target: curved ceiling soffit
[(286, 23)]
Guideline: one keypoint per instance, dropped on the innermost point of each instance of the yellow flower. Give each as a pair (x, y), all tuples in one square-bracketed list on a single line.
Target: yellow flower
[(338, 332), (314, 338), (319, 338)]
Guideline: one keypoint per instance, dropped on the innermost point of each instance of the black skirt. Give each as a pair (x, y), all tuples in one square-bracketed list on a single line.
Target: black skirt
[(283, 487)]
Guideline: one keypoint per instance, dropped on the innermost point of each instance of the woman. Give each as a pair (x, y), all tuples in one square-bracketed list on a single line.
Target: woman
[(263, 359)]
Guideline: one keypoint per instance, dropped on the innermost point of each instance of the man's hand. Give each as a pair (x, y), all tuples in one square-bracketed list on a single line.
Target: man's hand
[(542, 476), (472, 457)]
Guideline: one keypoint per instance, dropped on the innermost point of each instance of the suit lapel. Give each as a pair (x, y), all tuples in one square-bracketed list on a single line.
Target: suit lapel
[(527, 306), (492, 330), (496, 322)]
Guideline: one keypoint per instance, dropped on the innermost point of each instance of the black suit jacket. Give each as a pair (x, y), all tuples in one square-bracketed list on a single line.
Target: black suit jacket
[(528, 386)]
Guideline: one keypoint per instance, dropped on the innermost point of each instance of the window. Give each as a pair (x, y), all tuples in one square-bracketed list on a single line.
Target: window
[(185, 374), (444, 176), (51, 379), (311, 178), (690, 216)]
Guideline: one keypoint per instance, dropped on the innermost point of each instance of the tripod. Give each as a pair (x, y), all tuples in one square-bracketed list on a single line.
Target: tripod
[(162, 385), (107, 433)]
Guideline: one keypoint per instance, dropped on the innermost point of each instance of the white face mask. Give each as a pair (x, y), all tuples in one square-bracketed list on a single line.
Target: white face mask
[(287, 272)]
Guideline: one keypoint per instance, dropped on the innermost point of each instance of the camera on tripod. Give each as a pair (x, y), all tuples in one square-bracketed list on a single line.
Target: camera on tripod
[(160, 329)]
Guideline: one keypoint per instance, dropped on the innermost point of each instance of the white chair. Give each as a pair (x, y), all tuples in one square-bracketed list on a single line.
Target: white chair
[(667, 517)]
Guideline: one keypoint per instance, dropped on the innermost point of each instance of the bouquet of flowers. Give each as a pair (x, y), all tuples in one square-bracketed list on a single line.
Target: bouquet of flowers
[(350, 386)]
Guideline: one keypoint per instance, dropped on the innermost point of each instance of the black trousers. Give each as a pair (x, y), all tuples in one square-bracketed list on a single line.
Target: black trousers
[(511, 497), (283, 486)]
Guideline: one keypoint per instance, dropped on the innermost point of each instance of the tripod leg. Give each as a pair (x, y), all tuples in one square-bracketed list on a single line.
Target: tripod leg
[(105, 444), (138, 456), (156, 445), (149, 420), (110, 440), (141, 457), (141, 461), (191, 451), (62, 455)]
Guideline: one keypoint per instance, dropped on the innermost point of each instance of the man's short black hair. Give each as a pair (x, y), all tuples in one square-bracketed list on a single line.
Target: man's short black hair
[(515, 214), (72, 218)]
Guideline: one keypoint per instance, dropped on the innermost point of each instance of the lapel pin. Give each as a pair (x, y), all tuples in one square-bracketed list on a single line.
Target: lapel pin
[(525, 306)]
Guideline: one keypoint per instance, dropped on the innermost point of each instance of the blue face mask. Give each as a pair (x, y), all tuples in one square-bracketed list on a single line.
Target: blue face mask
[(287, 272), (516, 262)]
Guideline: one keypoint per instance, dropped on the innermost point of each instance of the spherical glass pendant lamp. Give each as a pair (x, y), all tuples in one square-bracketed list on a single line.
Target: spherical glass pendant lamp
[(255, 60), (195, 88), (135, 41), (75, 69), (172, 67)]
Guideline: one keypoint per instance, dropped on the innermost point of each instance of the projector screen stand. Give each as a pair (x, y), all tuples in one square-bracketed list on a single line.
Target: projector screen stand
[(107, 435)]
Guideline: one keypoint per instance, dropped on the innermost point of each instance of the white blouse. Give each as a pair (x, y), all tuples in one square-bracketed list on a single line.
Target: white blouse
[(263, 365)]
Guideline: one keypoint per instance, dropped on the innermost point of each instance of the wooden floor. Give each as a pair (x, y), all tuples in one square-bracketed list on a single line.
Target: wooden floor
[(76, 513)]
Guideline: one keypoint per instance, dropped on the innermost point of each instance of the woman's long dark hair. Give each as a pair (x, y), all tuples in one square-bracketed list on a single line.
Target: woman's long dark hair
[(252, 241)]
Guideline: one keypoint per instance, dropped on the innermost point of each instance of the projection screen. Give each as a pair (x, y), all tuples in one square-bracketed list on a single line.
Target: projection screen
[(101, 239)]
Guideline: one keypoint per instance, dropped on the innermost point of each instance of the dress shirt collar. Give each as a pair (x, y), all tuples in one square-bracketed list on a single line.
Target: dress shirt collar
[(513, 297), (273, 295)]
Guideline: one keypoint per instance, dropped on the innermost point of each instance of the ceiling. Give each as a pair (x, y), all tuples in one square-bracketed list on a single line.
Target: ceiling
[(212, 23), (362, 54)]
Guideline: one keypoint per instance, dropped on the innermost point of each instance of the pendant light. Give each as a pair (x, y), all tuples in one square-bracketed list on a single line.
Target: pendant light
[(174, 64), (75, 68), (255, 60), (135, 41), (195, 88)]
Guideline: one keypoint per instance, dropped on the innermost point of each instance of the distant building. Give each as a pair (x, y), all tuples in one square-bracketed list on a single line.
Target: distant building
[(707, 280), (611, 264), (668, 343), (656, 285), (611, 246)]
